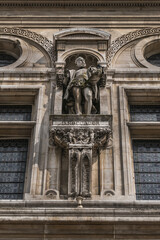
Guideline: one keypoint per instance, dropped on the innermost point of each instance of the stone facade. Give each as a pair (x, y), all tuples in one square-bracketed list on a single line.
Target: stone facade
[(80, 178)]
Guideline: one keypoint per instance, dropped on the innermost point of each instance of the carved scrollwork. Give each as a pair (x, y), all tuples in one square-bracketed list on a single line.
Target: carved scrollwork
[(62, 137), (60, 80), (51, 194), (102, 82), (109, 193)]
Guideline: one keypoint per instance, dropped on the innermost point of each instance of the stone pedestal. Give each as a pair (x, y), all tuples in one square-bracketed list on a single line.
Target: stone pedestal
[(78, 137)]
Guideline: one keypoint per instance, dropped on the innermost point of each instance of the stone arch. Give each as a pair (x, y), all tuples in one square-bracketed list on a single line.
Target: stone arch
[(37, 39), (94, 53), (127, 38)]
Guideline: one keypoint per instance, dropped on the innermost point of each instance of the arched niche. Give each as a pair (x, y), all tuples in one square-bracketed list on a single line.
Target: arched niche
[(92, 45), (81, 40), (70, 65), (89, 59)]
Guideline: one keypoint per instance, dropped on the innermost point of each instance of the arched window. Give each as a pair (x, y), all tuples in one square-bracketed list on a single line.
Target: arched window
[(6, 59), (154, 59)]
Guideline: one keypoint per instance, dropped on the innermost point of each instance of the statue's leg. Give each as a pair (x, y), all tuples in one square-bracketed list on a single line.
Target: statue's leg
[(87, 92), (78, 98)]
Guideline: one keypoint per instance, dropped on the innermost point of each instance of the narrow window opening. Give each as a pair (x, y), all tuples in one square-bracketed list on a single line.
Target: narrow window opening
[(13, 157)]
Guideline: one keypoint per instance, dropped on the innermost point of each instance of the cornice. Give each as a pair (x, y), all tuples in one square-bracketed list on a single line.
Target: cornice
[(54, 211), (79, 3)]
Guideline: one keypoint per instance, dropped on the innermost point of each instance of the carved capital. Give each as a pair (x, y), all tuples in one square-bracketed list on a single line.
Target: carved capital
[(103, 80), (60, 74)]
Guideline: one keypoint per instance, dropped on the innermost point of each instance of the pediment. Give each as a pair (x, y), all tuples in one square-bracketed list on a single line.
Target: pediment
[(82, 34)]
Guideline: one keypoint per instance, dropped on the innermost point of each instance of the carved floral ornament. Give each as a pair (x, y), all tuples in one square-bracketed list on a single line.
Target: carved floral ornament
[(126, 38), (64, 138)]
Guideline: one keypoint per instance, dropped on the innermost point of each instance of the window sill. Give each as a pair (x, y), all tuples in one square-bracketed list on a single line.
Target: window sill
[(144, 129)]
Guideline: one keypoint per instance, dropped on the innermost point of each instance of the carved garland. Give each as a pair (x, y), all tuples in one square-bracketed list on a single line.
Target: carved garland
[(42, 41), (124, 39)]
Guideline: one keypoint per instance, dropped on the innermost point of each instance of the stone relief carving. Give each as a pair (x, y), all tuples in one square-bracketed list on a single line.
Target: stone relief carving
[(80, 172), (126, 38), (109, 193), (79, 145), (51, 194), (81, 90), (99, 138)]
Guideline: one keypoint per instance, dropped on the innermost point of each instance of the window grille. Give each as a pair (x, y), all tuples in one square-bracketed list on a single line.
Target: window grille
[(6, 59), (13, 156), (15, 113), (154, 59), (146, 154), (145, 113)]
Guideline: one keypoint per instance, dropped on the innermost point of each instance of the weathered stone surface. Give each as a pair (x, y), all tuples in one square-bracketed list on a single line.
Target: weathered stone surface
[(79, 156)]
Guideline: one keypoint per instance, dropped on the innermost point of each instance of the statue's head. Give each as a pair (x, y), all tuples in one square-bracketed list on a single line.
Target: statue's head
[(80, 62)]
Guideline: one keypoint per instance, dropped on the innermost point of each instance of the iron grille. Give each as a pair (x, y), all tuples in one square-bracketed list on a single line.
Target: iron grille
[(154, 59), (145, 113), (6, 59), (146, 154), (13, 156), (15, 113)]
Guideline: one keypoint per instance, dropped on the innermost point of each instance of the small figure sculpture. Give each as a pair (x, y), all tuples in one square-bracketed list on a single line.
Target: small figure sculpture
[(71, 136), (92, 136), (82, 87)]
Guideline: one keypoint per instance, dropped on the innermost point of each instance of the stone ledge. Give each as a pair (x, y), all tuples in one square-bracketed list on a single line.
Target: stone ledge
[(59, 211), (70, 204)]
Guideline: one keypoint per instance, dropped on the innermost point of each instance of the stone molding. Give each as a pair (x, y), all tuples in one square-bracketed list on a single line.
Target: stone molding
[(61, 210), (139, 51), (126, 38), (87, 33), (79, 3), (46, 44), (18, 43)]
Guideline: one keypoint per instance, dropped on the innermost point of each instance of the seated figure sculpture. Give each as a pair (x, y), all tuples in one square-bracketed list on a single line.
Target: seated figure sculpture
[(82, 88)]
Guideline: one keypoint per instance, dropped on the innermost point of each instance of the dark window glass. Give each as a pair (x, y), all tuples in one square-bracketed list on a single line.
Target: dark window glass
[(146, 154), (145, 113), (13, 156), (154, 59), (15, 113), (6, 59)]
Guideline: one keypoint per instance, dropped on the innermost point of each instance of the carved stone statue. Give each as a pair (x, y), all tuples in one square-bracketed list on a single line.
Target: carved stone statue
[(81, 88)]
